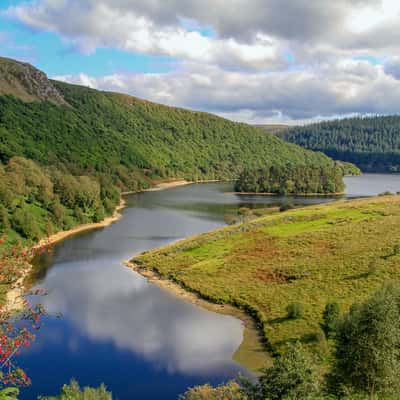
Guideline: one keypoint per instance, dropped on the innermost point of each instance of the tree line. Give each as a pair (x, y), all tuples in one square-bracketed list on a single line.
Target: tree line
[(372, 143)]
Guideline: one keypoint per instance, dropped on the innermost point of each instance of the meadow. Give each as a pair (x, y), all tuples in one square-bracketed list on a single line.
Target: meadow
[(338, 252)]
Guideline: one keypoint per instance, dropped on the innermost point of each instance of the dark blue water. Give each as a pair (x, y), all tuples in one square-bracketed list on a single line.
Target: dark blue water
[(116, 328)]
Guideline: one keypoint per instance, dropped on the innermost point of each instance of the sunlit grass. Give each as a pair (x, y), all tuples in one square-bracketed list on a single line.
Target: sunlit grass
[(341, 251)]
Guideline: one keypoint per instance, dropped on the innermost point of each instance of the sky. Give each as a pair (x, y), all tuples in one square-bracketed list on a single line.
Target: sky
[(256, 61)]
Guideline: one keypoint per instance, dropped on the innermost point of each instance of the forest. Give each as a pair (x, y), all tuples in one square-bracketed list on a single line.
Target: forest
[(289, 179), (66, 151), (118, 134), (37, 201), (372, 143)]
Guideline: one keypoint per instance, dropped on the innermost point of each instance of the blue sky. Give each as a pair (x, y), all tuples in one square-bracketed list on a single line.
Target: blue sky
[(258, 61), (57, 56)]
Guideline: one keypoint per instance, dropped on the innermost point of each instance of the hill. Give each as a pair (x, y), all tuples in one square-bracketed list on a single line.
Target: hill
[(307, 256), (272, 128), (26, 82), (373, 143), (67, 151)]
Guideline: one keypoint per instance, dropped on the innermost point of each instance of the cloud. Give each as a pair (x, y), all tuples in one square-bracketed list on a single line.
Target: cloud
[(251, 33), (91, 25), (347, 87), (255, 60)]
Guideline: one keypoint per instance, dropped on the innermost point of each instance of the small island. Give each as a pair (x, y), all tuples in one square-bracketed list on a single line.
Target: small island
[(292, 179)]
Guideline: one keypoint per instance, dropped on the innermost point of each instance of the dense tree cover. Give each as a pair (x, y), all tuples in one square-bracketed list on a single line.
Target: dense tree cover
[(120, 136), (36, 201), (373, 143), (291, 179), (89, 145), (366, 362)]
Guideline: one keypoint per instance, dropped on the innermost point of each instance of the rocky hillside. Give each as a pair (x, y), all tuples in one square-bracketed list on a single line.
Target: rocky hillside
[(27, 83)]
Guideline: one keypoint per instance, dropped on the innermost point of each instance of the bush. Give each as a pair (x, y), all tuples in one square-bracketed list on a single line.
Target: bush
[(330, 318), (230, 391), (24, 223), (286, 206), (295, 310), (291, 377)]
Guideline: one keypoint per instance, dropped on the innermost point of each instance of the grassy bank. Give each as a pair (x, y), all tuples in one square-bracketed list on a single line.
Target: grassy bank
[(341, 251)]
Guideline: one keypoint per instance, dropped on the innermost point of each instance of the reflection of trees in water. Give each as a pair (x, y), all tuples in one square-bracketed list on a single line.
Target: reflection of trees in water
[(41, 265)]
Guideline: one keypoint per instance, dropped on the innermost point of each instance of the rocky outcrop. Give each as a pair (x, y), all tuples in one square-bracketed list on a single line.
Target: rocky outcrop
[(27, 83)]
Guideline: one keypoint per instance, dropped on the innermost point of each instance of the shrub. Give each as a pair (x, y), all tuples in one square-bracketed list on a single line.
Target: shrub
[(229, 391), (24, 223), (286, 206), (295, 310), (330, 318), (291, 377)]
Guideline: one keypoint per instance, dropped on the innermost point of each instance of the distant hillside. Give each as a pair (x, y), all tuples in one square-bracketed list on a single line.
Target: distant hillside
[(373, 144), (77, 147), (100, 131), (272, 128)]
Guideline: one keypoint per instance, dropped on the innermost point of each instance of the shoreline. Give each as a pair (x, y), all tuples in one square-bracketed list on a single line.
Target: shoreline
[(17, 290), (252, 341), (291, 194), (171, 184), (15, 295)]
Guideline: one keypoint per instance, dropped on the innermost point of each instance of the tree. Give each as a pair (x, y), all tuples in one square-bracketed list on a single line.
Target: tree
[(229, 391), (330, 318), (24, 223), (292, 377), (74, 392), (368, 346), (16, 326)]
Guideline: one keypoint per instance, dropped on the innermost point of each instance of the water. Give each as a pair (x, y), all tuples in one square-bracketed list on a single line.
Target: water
[(116, 328)]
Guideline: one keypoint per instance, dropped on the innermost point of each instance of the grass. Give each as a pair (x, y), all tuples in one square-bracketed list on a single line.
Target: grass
[(342, 251)]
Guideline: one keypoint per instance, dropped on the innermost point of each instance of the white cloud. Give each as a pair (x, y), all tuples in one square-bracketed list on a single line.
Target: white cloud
[(346, 87), (258, 60), (103, 24)]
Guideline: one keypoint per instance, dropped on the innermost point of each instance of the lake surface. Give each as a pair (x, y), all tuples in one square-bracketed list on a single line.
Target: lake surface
[(116, 328)]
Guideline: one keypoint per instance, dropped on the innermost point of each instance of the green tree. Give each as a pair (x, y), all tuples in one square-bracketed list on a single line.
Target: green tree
[(229, 391), (368, 346), (292, 377), (330, 318), (24, 223), (74, 392)]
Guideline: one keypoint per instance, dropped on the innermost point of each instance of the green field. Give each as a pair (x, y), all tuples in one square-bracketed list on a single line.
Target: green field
[(342, 251)]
